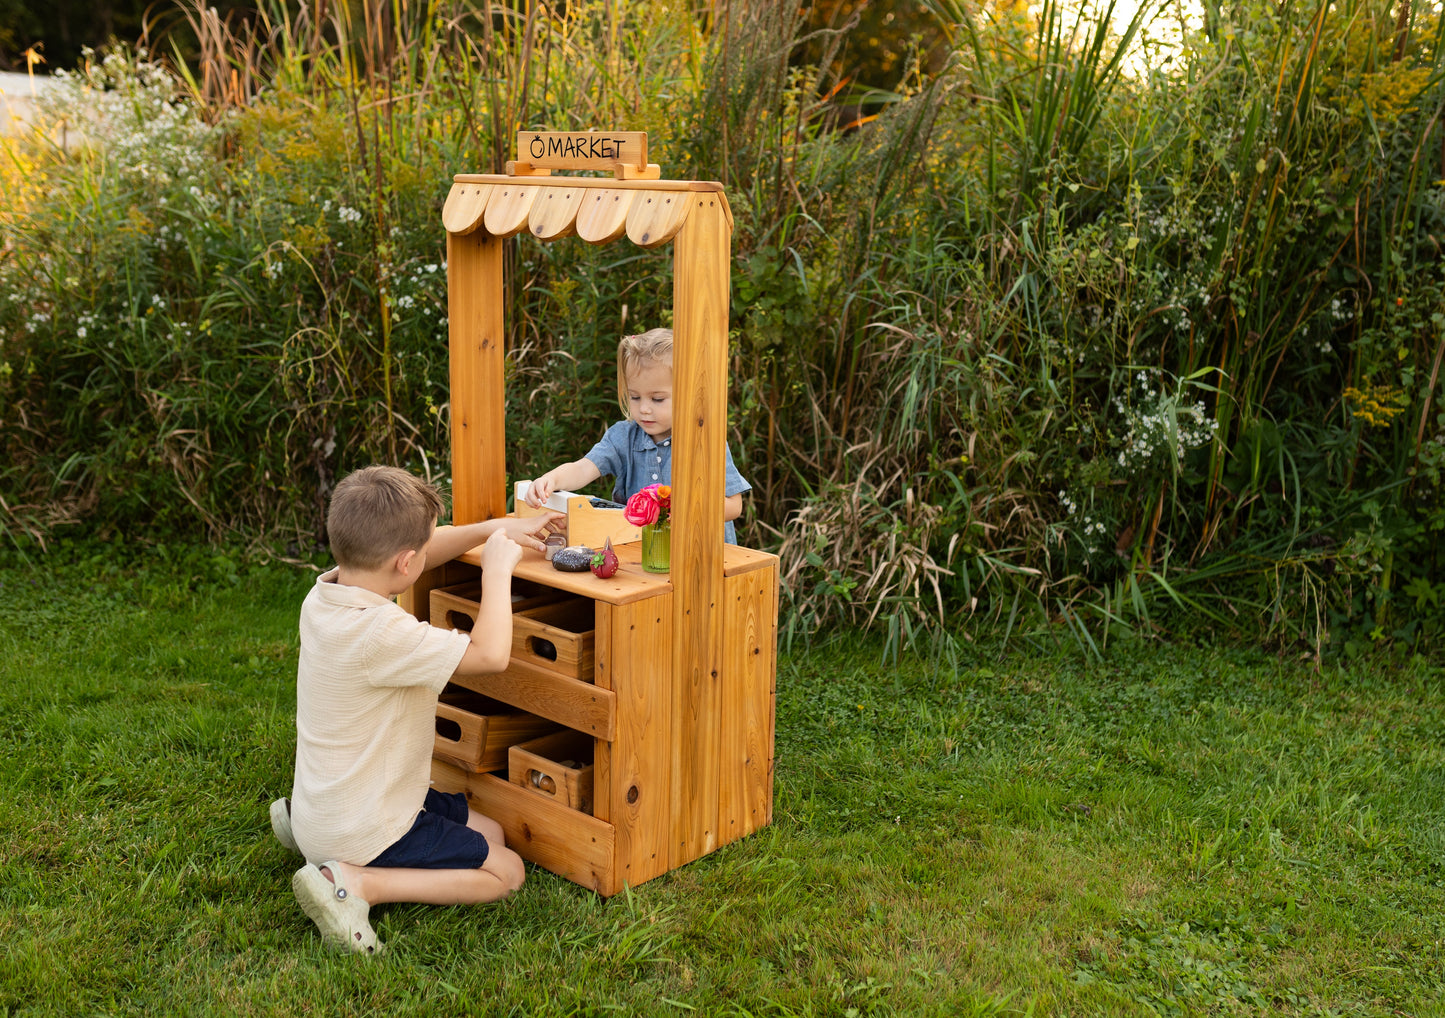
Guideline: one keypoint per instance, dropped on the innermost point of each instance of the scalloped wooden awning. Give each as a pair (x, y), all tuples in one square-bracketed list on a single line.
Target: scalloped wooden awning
[(598, 210)]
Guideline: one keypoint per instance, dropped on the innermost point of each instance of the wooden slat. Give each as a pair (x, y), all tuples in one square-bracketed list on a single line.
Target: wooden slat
[(638, 772), (749, 693), (630, 582), (705, 186), (465, 204), (656, 217), (652, 171), (567, 701), (474, 326), (554, 213), (508, 207), (603, 215), (700, 320), (602, 794), (570, 844)]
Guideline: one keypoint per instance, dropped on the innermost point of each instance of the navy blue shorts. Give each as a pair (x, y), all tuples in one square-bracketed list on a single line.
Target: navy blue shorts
[(440, 839)]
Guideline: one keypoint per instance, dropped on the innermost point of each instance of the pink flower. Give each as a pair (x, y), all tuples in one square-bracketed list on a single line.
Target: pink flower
[(647, 505)]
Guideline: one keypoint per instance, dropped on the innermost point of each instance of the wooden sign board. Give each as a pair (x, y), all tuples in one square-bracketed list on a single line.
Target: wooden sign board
[(623, 153)]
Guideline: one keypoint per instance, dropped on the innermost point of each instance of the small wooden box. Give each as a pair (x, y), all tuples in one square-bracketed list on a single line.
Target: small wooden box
[(558, 637), (474, 732), (457, 607), (556, 767), (586, 523)]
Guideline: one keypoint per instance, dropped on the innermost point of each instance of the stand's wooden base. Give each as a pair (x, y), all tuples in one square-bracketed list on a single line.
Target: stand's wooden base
[(682, 762)]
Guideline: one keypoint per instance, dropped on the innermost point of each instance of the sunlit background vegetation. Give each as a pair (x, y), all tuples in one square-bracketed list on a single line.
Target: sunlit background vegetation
[(1046, 320)]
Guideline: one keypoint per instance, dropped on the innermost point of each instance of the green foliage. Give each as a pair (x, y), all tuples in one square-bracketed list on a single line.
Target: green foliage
[(1079, 334)]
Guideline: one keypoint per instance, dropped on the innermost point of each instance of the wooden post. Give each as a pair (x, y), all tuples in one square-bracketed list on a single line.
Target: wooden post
[(748, 700), (636, 766), (475, 332), (699, 425)]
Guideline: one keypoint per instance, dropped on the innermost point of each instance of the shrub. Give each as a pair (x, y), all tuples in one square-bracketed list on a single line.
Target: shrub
[(1059, 331)]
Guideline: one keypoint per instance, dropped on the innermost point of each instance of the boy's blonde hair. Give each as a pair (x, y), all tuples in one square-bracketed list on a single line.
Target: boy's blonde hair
[(377, 512), (653, 345)]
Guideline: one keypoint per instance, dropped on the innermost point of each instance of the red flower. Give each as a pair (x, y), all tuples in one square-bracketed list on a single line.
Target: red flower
[(647, 505)]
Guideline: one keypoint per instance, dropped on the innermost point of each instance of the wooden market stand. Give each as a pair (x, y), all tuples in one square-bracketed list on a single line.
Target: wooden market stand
[(668, 678)]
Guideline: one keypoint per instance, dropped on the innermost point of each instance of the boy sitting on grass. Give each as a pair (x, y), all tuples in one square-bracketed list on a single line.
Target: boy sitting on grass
[(361, 808)]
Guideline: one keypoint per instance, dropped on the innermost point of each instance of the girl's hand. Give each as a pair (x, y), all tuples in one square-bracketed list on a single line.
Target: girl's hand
[(541, 490)]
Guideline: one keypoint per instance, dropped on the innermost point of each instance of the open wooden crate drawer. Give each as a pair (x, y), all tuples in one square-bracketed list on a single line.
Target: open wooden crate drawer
[(558, 636), (456, 607), (557, 767), (475, 732)]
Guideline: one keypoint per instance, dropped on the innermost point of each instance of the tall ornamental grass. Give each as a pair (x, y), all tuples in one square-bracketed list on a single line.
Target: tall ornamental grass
[(1081, 331)]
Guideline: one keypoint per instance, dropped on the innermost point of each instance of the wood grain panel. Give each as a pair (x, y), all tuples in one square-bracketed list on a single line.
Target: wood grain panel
[(508, 208), (603, 215), (700, 318), (465, 204), (639, 664), (474, 328), (656, 217), (554, 213), (567, 701), (570, 844), (749, 697)]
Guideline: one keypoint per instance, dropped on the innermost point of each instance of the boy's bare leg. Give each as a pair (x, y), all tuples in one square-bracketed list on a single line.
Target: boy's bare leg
[(499, 876), (489, 828)]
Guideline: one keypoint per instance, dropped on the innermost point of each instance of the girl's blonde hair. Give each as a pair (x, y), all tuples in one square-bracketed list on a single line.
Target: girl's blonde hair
[(653, 345)]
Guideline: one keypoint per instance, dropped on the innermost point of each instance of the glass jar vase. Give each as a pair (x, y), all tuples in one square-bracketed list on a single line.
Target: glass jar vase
[(657, 546)]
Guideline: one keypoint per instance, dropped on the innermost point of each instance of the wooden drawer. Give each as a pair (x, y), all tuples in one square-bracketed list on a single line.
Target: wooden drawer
[(558, 637), (456, 607), (474, 731), (557, 767)]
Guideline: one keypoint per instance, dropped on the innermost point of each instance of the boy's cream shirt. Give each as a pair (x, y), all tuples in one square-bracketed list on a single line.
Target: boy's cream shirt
[(366, 692)]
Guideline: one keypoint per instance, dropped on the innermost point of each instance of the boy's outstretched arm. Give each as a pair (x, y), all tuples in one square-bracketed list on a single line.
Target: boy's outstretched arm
[(491, 647), (530, 532)]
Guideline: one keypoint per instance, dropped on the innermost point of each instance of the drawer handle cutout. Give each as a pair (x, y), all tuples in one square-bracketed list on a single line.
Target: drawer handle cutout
[(449, 730), (459, 621), (537, 779), (545, 649)]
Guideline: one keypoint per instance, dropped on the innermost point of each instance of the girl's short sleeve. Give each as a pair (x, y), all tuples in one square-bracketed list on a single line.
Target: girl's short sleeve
[(609, 455)]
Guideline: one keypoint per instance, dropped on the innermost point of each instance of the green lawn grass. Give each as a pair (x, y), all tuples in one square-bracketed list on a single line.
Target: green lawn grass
[(1179, 830)]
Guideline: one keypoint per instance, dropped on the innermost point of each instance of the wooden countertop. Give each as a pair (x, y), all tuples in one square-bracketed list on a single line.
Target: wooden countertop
[(630, 582)]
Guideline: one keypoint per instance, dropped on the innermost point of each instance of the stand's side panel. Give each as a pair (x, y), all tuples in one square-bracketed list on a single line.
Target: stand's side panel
[(633, 779), (700, 320), (749, 703), (475, 330)]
